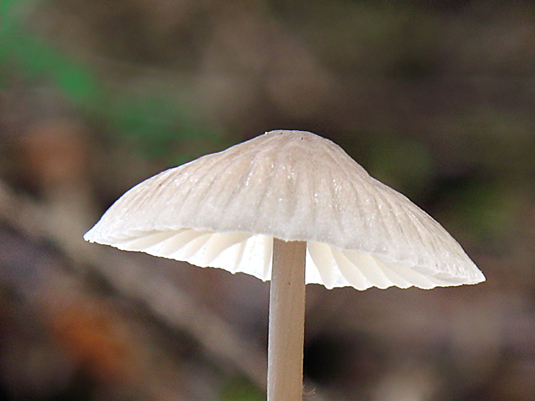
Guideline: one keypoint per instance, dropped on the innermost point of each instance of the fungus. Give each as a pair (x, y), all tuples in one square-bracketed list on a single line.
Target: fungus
[(273, 204)]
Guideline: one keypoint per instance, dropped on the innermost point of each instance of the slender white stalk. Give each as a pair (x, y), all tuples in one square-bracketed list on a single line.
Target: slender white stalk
[(286, 322)]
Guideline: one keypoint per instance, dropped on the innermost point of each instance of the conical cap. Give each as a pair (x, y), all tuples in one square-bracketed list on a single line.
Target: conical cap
[(223, 210)]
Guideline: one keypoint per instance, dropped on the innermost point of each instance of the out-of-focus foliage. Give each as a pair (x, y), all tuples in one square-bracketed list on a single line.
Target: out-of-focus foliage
[(241, 390), (36, 61), (153, 120), (435, 98)]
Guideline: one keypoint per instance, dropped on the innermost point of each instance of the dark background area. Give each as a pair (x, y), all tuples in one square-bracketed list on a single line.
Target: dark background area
[(435, 98)]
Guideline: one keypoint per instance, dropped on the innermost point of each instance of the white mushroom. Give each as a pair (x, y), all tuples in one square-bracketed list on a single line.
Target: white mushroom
[(266, 206)]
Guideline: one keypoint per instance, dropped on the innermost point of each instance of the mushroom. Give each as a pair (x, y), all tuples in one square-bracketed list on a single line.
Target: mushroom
[(273, 204)]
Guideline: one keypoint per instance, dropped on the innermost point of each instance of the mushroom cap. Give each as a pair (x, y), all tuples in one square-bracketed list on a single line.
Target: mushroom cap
[(224, 209)]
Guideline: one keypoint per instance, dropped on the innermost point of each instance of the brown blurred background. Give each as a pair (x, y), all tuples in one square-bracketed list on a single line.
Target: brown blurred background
[(435, 98)]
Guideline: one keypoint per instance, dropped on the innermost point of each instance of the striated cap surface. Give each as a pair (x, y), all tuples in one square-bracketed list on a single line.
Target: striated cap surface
[(223, 210)]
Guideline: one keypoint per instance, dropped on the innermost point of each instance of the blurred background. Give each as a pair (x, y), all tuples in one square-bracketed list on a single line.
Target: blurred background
[(435, 98)]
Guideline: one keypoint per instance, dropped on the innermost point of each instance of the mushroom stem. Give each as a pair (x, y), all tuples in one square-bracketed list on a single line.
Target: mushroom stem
[(286, 322)]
